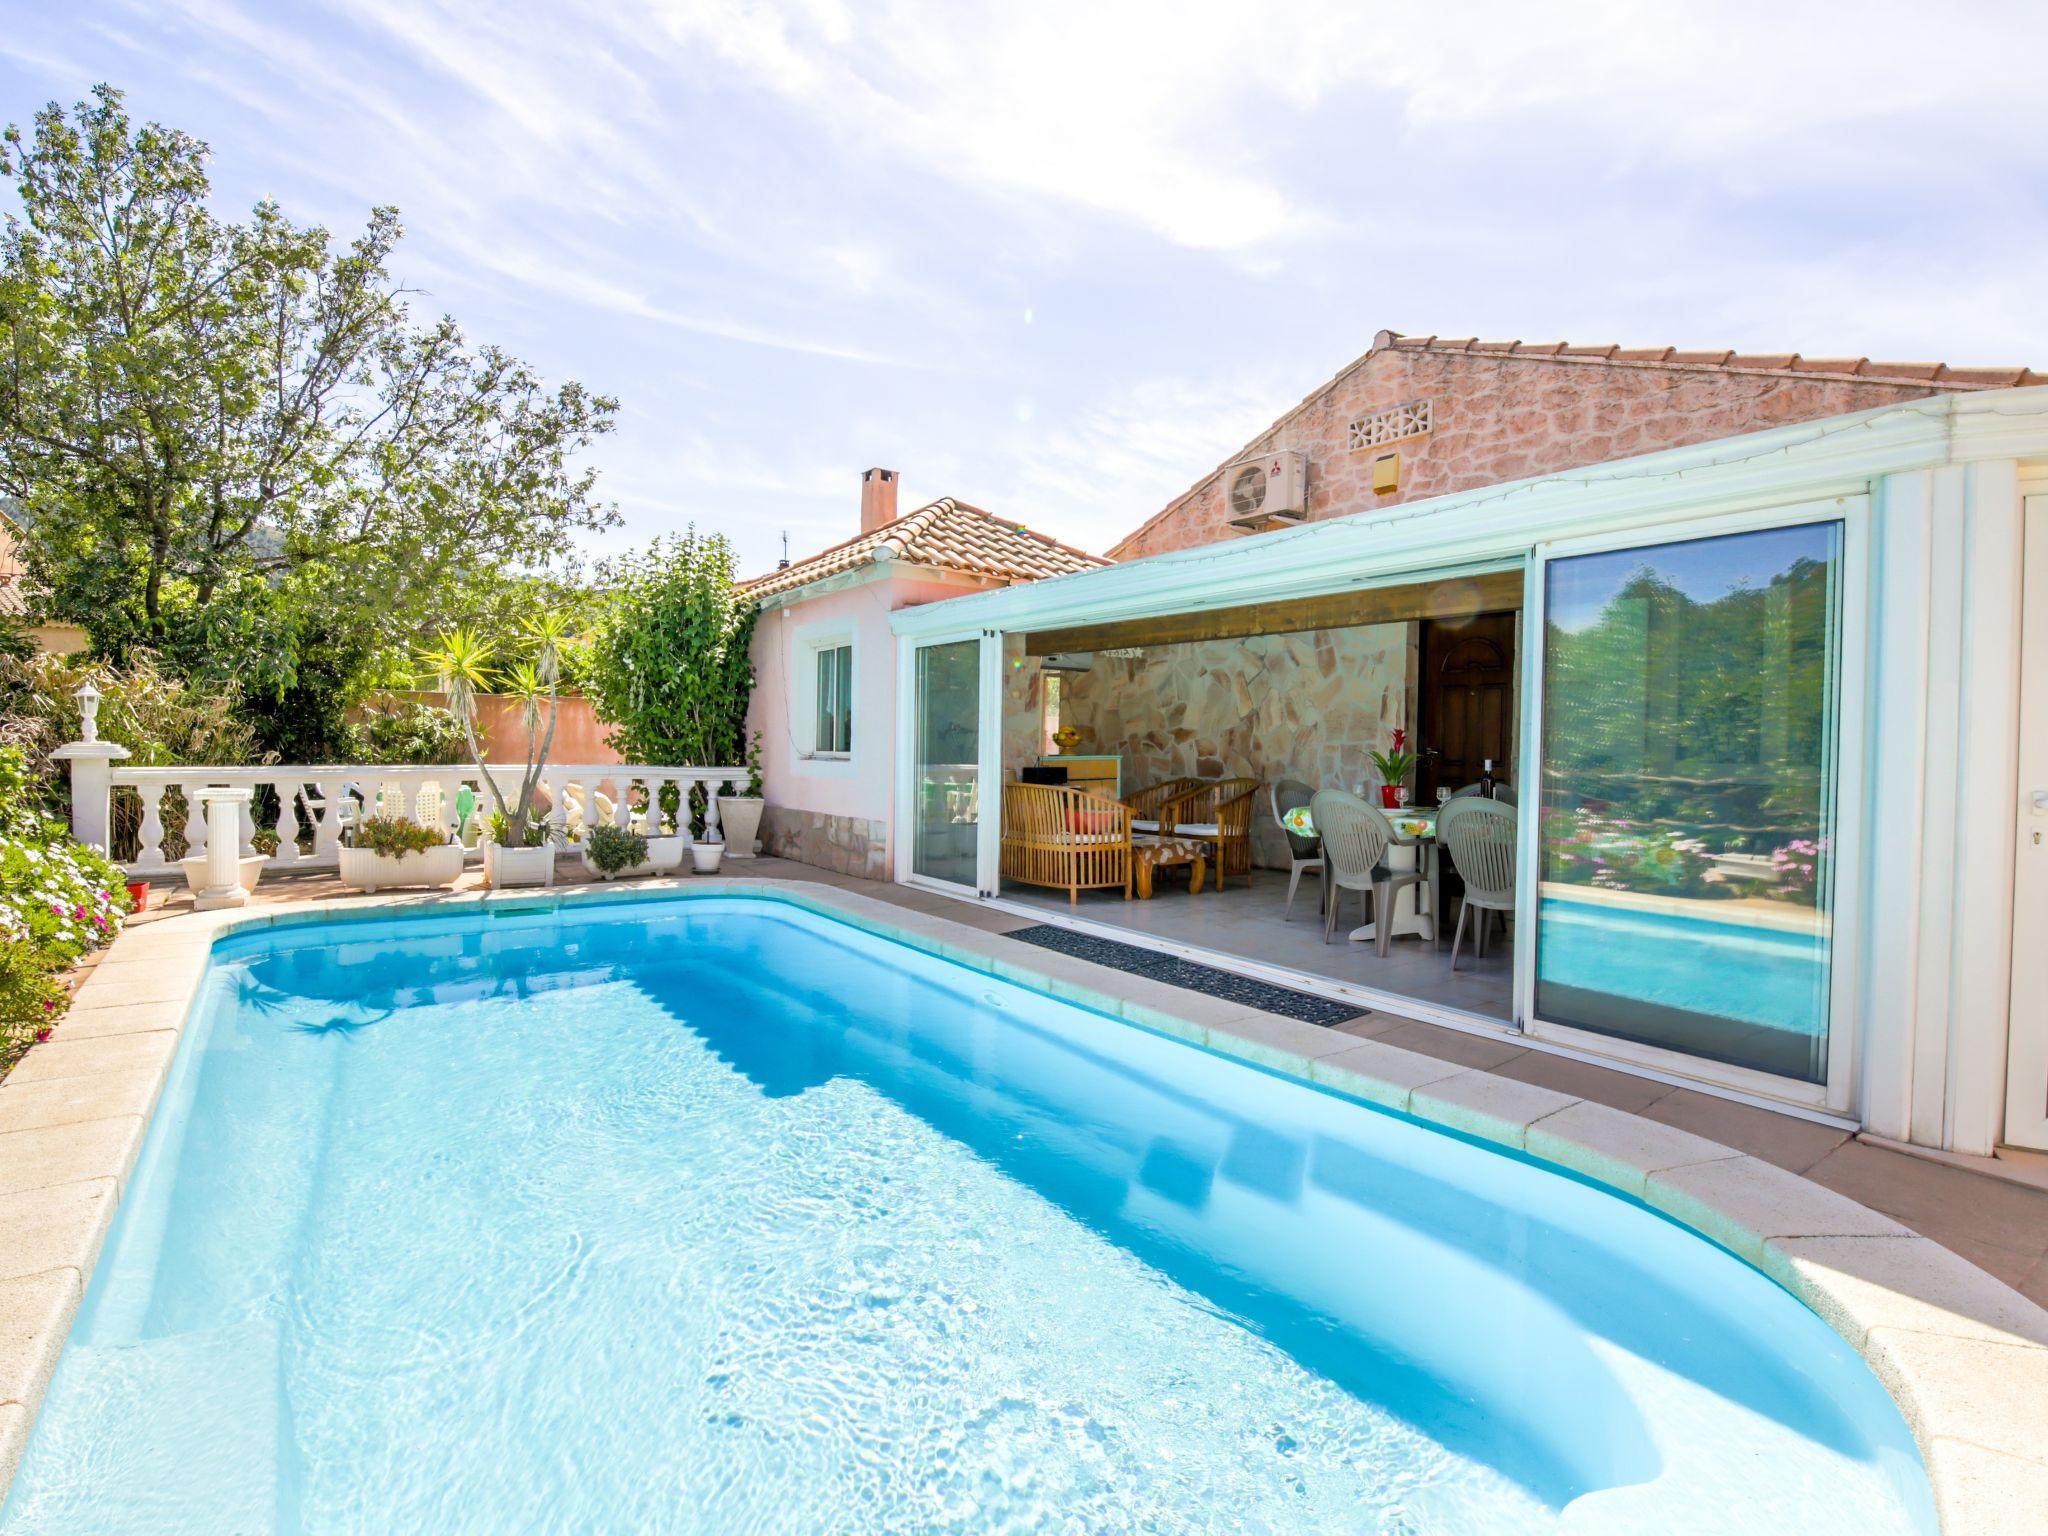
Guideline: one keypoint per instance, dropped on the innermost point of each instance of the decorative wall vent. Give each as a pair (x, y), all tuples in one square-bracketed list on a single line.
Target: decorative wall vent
[(1390, 425)]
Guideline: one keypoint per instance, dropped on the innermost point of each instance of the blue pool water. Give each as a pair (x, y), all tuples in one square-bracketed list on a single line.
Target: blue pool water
[(719, 1216), (1756, 975)]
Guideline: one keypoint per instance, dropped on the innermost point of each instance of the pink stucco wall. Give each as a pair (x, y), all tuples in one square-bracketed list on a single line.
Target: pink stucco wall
[(832, 813)]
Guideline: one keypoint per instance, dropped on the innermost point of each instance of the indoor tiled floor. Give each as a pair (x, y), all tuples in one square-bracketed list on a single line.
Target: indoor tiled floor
[(1998, 1225), (1247, 920)]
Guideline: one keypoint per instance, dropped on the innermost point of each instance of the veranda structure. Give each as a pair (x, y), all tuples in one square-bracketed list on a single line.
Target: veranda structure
[(1805, 670)]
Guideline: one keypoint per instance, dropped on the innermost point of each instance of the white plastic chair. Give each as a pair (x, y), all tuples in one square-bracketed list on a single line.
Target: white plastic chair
[(1356, 837), (1481, 837), (1286, 795)]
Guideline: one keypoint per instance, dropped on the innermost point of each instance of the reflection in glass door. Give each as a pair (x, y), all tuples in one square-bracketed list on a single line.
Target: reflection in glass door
[(1687, 824), (947, 815)]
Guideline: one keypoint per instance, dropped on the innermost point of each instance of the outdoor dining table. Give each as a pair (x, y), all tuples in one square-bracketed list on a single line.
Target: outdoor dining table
[(1414, 838)]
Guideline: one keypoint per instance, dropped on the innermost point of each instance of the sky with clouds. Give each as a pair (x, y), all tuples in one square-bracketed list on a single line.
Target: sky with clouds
[(1060, 259)]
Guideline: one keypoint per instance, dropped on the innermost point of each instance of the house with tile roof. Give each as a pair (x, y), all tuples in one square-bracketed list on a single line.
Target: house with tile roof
[(825, 662), (1749, 653)]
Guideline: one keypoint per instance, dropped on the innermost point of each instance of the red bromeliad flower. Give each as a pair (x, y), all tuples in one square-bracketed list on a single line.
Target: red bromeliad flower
[(1400, 739)]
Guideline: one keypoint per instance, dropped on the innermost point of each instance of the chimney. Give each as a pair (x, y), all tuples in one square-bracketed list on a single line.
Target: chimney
[(877, 499)]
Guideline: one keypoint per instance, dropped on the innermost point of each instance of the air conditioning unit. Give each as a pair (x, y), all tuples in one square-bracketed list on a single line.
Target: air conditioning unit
[(1066, 661), (1265, 493)]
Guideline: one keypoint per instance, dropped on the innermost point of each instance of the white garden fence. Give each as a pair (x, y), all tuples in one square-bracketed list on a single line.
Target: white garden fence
[(315, 800)]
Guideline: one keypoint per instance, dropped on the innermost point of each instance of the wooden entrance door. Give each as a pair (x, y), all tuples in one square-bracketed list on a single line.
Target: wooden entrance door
[(1467, 701)]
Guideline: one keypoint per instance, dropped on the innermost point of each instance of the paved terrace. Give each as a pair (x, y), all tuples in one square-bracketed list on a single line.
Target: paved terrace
[(1966, 1358)]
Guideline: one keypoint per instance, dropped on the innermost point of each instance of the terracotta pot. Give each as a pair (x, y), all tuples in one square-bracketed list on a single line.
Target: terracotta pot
[(138, 895)]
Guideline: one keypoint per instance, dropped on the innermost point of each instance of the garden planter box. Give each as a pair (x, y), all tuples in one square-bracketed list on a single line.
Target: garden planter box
[(663, 855), (740, 816), (519, 866), (364, 869)]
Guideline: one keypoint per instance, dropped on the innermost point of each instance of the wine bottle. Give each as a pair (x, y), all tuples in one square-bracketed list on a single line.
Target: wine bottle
[(1487, 783)]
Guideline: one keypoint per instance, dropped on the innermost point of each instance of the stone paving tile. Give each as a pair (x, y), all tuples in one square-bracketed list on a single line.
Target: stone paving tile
[(1583, 1080), (1939, 1201), (54, 1228), (68, 1154), (28, 1106), (90, 1058), (1786, 1140), (1480, 1052)]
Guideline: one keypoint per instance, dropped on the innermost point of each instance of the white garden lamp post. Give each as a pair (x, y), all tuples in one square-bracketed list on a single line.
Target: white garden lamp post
[(92, 775), (224, 810)]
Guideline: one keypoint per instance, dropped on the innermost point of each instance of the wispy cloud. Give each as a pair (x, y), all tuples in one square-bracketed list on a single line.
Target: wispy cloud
[(1062, 258)]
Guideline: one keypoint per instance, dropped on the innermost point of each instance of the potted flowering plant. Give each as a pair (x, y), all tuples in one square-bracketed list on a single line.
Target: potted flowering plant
[(390, 850), (1394, 768), (516, 850)]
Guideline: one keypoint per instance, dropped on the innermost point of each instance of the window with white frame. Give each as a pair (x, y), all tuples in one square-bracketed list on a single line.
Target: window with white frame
[(834, 701)]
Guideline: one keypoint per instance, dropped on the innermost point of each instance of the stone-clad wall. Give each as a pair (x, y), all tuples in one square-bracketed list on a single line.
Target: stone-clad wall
[(1306, 706), (1498, 418), (848, 845)]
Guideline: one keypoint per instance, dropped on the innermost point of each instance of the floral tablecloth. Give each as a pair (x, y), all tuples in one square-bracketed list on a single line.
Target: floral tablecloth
[(1409, 824)]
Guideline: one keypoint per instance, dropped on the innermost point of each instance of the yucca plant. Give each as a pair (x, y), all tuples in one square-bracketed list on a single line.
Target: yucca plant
[(462, 665)]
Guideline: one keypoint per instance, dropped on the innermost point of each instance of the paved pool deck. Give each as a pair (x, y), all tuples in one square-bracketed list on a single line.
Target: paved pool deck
[(1933, 1272)]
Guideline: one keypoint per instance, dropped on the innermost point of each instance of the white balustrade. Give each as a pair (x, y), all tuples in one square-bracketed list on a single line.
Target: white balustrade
[(308, 801)]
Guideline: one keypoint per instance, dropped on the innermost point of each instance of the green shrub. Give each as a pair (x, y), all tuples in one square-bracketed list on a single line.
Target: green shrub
[(667, 668), (407, 731), (612, 849), (392, 836), (58, 902)]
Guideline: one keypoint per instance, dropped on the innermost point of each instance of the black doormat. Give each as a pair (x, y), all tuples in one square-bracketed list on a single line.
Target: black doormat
[(1175, 972)]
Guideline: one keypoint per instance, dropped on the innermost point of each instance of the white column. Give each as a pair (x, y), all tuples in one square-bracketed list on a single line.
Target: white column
[(92, 775), (225, 809)]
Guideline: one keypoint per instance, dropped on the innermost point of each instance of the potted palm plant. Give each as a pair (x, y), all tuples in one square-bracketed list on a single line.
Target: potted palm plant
[(740, 815), (517, 849)]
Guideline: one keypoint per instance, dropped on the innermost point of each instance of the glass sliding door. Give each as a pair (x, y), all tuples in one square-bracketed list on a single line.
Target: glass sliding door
[(946, 770), (1687, 815)]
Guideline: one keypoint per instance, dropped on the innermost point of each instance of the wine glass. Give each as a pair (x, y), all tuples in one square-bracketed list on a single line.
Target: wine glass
[(1443, 795), (1401, 797)]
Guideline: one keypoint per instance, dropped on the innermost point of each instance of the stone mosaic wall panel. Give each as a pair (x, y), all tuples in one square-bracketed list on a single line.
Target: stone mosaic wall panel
[(847, 845), (1307, 706)]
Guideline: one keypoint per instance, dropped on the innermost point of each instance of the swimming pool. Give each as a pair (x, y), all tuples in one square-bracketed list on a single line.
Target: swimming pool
[(718, 1215)]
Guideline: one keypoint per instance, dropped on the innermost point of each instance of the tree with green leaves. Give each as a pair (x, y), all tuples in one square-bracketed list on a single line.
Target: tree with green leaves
[(667, 667), (233, 442)]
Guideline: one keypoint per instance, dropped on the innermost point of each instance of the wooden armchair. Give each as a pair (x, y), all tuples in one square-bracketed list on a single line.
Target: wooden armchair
[(1065, 838), (1219, 812), (1153, 808)]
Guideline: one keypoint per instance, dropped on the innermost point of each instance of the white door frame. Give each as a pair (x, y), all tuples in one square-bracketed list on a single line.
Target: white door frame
[(1851, 683), (988, 827), (2026, 1081)]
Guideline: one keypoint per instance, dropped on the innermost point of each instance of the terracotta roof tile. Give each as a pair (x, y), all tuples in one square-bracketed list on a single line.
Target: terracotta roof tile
[(947, 534), (1925, 375)]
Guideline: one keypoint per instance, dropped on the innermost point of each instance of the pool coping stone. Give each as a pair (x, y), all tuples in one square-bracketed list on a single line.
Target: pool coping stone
[(1964, 1356)]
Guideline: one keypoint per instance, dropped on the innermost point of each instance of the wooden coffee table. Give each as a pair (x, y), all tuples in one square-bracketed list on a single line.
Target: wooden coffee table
[(1154, 853)]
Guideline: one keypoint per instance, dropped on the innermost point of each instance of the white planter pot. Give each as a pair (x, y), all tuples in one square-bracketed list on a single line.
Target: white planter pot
[(252, 870), (519, 866), (740, 816), (663, 855), (704, 857), (364, 869)]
